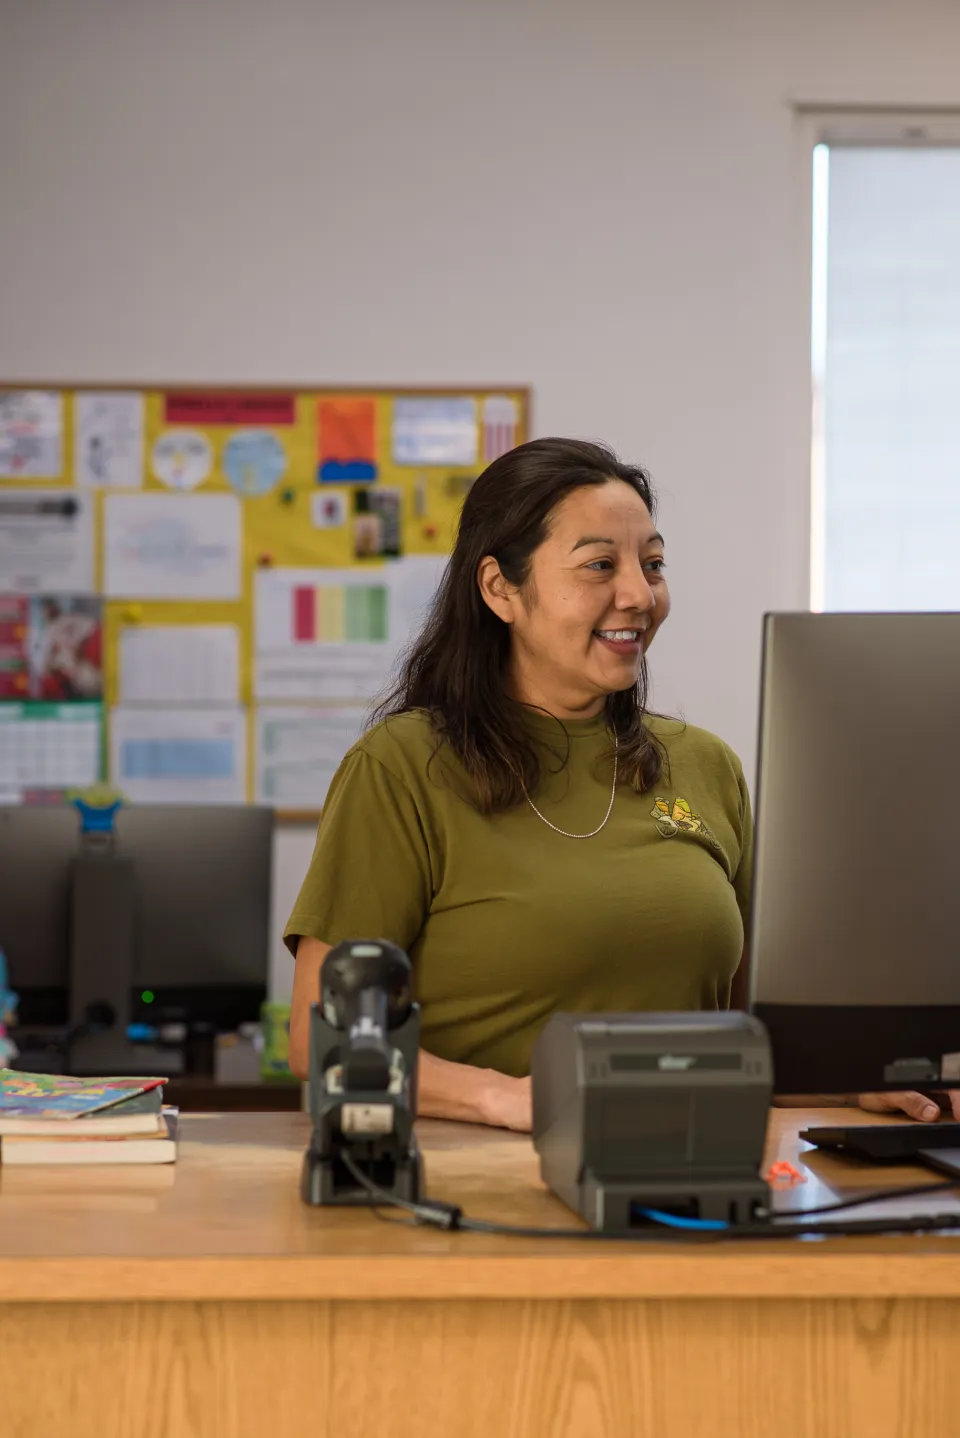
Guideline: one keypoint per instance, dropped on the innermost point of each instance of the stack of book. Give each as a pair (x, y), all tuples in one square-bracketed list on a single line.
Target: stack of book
[(54, 1119)]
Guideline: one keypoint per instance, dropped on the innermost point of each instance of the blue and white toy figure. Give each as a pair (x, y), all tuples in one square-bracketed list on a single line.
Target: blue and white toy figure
[(8, 1015), (96, 806)]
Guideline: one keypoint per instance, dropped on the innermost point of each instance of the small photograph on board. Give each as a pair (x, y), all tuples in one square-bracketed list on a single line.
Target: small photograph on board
[(376, 523), (65, 647), (328, 509)]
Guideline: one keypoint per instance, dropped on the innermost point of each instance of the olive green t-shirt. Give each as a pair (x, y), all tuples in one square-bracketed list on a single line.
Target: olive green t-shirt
[(506, 921)]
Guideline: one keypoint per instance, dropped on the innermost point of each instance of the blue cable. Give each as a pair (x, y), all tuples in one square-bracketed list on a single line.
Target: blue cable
[(671, 1220)]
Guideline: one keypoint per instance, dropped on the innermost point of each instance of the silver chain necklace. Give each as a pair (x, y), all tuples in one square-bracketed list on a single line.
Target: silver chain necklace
[(613, 791)]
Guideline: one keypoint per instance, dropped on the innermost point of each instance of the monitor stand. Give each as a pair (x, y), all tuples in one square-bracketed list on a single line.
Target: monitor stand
[(102, 950)]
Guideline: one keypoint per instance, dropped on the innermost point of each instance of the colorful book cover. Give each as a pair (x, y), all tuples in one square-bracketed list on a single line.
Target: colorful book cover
[(24, 1095)]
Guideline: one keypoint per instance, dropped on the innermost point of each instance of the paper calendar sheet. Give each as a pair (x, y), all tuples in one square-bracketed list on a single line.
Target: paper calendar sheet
[(49, 746), (180, 664)]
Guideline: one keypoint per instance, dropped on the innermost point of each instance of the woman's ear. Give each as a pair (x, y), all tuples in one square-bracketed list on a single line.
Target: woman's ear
[(497, 594)]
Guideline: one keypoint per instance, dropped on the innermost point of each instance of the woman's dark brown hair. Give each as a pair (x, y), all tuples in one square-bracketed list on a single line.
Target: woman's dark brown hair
[(454, 669)]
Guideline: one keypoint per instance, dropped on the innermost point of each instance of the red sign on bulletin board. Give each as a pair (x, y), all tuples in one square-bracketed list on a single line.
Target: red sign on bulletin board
[(227, 408)]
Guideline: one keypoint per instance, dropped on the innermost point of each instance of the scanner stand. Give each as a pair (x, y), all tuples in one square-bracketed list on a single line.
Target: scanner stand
[(325, 1179)]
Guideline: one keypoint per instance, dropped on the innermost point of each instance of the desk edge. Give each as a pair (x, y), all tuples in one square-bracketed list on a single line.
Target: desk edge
[(735, 1274)]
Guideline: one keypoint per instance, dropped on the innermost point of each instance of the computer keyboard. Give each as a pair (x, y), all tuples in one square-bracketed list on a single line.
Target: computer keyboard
[(885, 1143)]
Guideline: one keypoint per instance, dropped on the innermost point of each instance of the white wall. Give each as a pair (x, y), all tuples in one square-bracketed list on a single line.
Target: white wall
[(601, 198)]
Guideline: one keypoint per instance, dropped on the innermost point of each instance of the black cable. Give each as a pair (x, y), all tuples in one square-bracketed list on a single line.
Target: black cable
[(440, 1215), (875, 1196), (930, 1223), (761, 1229), (450, 1216)]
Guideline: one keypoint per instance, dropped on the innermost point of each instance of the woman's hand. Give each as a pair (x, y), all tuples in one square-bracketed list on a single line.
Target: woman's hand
[(508, 1102), (914, 1105)]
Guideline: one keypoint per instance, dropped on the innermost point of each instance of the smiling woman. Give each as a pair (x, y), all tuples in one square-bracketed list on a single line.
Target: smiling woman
[(515, 818)]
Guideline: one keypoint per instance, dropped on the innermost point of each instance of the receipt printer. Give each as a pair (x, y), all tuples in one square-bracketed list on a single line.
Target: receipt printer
[(658, 1111)]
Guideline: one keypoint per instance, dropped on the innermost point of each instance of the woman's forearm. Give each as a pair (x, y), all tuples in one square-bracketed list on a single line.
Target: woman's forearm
[(472, 1095)]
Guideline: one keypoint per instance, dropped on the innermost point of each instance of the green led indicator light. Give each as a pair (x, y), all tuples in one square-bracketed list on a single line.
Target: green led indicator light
[(147, 996)]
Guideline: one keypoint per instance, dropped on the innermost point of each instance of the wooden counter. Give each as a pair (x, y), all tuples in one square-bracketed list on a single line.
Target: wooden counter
[(205, 1299)]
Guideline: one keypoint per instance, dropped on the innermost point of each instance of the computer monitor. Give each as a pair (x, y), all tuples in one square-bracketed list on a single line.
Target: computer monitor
[(855, 942), (201, 910), (37, 849)]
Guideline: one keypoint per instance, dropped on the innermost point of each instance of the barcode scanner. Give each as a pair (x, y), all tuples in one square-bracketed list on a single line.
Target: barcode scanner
[(364, 1042)]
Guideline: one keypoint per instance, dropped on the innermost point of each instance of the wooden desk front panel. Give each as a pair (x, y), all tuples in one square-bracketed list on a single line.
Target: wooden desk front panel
[(741, 1368)]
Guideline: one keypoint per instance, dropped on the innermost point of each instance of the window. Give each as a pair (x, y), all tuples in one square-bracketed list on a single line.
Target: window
[(886, 370)]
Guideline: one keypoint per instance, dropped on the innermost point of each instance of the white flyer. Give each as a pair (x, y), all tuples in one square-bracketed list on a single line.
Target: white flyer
[(413, 581), (108, 440), (298, 751), (171, 546), (336, 634), (31, 434), (179, 756), (435, 431), (46, 542), (180, 664)]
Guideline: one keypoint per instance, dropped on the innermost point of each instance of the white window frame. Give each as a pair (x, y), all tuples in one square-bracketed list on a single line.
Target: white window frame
[(815, 126)]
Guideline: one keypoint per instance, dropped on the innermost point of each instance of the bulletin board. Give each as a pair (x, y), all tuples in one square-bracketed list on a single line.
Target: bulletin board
[(202, 589)]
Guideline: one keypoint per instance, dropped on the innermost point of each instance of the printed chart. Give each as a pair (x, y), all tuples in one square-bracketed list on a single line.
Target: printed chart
[(339, 614), (299, 750)]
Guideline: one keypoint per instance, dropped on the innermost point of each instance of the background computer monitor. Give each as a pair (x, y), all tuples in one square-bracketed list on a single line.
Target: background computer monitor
[(37, 847), (202, 909), (855, 943)]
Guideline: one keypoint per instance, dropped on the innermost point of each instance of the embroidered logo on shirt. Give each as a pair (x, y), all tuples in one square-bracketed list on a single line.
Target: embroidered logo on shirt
[(679, 818)]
